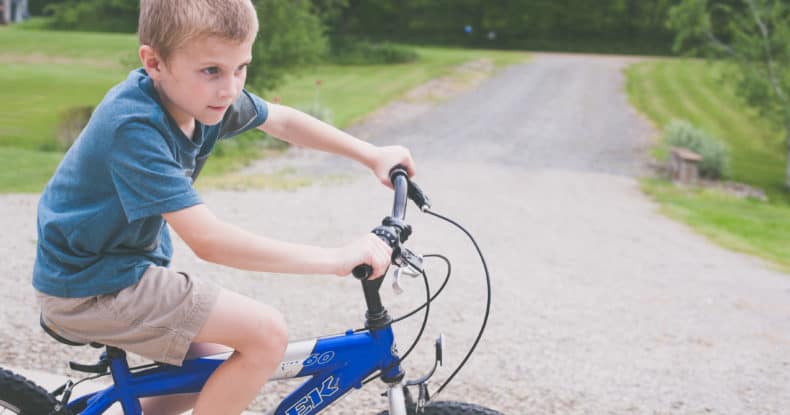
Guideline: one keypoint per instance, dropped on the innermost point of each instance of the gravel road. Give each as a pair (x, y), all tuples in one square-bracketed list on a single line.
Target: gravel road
[(600, 303)]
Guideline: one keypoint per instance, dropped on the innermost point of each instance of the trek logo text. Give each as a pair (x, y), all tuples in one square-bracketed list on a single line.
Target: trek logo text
[(315, 397)]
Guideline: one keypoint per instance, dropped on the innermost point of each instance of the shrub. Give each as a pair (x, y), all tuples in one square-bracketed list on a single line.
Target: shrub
[(291, 38), (70, 125), (715, 156), (94, 15), (366, 53)]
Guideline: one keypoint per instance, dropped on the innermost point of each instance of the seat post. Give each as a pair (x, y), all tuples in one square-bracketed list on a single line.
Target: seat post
[(121, 377)]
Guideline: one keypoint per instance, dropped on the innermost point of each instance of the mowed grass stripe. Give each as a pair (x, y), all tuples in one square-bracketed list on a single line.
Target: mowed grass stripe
[(644, 94), (751, 144), (691, 90), (721, 103), (707, 114), (676, 77)]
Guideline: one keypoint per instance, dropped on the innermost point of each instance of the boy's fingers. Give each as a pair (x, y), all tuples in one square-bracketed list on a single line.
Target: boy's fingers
[(380, 257)]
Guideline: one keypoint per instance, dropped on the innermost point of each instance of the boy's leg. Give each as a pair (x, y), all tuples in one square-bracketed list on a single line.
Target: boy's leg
[(177, 404), (258, 334)]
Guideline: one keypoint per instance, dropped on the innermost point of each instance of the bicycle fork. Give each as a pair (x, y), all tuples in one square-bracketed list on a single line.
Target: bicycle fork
[(397, 400)]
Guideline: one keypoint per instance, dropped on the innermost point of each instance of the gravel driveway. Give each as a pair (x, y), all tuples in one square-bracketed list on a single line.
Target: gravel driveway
[(601, 304)]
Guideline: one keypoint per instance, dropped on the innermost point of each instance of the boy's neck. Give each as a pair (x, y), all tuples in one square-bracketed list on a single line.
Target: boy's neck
[(184, 121)]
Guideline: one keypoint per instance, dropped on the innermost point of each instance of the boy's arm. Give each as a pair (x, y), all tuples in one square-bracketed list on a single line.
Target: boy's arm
[(303, 130), (220, 242)]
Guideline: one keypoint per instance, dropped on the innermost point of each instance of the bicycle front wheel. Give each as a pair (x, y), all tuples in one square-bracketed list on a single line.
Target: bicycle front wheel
[(21, 396), (450, 408)]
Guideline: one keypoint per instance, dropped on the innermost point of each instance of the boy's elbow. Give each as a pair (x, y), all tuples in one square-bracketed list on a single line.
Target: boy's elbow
[(204, 249)]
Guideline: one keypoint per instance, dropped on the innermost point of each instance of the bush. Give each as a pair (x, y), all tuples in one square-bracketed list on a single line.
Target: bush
[(715, 156), (367, 53), (94, 15), (291, 37)]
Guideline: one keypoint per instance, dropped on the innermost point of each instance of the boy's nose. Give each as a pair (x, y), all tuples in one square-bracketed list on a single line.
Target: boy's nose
[(230, 88)]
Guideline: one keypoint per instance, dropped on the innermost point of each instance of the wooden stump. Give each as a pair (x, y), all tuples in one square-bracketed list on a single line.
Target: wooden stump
[(684, 165)]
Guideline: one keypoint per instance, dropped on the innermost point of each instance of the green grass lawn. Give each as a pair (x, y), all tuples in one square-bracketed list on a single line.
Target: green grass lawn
[(46, 72), (692, 90), (26, 171), (352, 92)]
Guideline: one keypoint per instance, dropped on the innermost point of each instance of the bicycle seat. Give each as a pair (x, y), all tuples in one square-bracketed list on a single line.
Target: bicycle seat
[(62, 339)]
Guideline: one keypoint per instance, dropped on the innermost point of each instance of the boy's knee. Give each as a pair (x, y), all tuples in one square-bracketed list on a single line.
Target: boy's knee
[(278, 333), (271, 332)]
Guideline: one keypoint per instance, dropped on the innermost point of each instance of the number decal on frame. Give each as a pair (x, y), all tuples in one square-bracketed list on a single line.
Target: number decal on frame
[(319, 359)]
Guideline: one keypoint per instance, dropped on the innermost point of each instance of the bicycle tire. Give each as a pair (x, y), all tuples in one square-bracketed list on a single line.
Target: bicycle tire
[(23, 397), (450, 408)]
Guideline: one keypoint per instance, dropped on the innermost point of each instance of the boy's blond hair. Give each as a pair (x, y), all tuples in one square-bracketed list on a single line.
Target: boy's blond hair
[(166, 25)]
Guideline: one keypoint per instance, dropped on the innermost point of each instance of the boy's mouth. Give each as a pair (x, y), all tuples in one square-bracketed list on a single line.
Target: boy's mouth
[(222, 108)]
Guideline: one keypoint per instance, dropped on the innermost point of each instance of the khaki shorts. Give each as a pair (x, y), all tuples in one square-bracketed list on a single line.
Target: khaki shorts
[(157, 318)]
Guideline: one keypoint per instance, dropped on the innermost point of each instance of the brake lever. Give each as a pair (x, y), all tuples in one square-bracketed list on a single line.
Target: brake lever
[(408, 259), (408, 263), (418, 196)]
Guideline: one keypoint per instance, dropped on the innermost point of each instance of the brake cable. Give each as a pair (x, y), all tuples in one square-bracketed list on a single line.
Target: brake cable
[(436, 294), (427, 306), (488, 297), (419, 198)]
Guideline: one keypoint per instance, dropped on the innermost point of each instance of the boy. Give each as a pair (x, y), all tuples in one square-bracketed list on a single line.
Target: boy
[(103, 247)]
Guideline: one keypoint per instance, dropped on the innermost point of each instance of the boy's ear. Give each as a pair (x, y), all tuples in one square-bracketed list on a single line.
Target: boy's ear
[(151, 61)]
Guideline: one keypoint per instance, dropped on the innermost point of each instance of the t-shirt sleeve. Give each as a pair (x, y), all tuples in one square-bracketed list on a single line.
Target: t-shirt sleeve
[(148, 179), (246, 113)]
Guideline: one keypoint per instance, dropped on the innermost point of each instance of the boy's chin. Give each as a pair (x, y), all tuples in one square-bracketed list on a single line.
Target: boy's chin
[(210, 119)]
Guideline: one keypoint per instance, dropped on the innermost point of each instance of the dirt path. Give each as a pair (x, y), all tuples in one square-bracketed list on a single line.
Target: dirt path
[(601, 305)]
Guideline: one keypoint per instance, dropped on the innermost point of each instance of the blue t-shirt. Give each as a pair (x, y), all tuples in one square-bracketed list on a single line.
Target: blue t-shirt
[(100, 223)]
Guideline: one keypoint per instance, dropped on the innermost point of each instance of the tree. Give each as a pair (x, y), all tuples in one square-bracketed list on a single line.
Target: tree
[(752, 34), (94, 15), (291, 36)]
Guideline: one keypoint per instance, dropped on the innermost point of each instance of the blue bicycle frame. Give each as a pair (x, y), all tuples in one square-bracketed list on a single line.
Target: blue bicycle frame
[(336, 365)]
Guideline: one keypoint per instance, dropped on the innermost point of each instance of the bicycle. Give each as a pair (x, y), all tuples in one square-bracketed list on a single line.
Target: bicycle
[(335, 364)]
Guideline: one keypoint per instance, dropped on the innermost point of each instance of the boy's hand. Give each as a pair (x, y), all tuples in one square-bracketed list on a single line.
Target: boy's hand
[(366, 250), (385, 158)]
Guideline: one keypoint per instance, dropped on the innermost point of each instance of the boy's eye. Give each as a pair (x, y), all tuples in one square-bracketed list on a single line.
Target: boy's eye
[(211, 70)]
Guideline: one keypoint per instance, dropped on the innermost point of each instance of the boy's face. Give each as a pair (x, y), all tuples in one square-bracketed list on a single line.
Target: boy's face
[(200, 80)]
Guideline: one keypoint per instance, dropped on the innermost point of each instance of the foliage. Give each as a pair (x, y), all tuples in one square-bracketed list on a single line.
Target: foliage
[(635, 26), (36, 7), (755, 36), (360, 52), (563, 24), (715, 157), (291, 32), (291, 36), (94, 15)]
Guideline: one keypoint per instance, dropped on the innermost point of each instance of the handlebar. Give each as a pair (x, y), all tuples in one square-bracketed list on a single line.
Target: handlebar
[(393, 230)]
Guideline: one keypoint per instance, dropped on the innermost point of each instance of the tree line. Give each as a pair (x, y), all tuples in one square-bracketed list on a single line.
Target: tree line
[(635, 26), (752, 34)]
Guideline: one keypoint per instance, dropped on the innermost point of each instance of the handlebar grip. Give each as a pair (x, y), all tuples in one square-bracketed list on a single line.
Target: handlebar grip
[(398, 171), (362, 271)]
